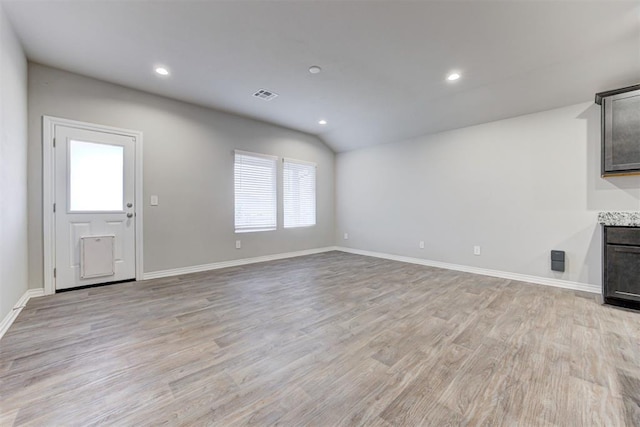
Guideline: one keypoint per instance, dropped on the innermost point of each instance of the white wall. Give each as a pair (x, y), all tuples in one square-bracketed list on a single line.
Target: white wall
[(13, 168), (518, 188), (188, 163)]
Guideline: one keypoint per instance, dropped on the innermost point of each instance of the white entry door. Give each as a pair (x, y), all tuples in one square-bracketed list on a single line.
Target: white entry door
[(95, 236)]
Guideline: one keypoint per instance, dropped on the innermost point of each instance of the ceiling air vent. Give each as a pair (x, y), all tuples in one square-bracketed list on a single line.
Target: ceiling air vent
[(265, 94)]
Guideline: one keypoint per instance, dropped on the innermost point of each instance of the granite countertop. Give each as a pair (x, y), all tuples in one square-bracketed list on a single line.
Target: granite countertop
[(621, 219)]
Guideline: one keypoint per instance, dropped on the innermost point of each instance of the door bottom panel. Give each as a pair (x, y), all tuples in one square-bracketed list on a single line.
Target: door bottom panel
[(96, 285)]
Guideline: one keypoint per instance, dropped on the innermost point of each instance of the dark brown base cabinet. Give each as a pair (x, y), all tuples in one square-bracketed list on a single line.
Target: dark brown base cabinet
[(621, 278)]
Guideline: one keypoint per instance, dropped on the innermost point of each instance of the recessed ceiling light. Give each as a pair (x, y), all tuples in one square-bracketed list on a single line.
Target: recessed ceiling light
[(314, 69), (162, 71), (322, 122), (453, 77)]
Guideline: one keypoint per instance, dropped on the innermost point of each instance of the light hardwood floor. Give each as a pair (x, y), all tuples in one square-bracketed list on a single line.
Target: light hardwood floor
[(329, 339)]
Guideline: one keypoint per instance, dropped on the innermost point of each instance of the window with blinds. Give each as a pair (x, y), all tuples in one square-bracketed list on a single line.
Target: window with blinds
[(299, 193), (255, 192)]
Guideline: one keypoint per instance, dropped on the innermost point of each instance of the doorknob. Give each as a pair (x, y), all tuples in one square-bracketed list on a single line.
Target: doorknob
[(129, 205), (129, 215)]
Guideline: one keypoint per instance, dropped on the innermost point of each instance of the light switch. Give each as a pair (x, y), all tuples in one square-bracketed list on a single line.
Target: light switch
[(154, 200)]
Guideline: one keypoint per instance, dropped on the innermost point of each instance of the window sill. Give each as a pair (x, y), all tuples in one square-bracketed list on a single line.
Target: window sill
[(254, 230)]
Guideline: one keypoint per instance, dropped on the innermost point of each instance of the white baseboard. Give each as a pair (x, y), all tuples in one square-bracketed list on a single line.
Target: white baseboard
[(17, 308), (566, 284), (233, 263), (558, 283)]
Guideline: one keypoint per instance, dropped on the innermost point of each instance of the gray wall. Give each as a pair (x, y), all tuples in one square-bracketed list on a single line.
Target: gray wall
[(517, 187), (188, 163), (13, 168)]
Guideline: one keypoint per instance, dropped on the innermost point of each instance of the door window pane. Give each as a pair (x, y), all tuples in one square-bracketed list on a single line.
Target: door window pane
[(95, 177)]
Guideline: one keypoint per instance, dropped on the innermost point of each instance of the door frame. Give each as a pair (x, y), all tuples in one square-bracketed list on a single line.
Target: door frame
[(49, 124)]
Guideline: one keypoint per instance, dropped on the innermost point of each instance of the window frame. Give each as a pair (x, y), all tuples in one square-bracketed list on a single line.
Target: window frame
[(274, 196), (312, 165)]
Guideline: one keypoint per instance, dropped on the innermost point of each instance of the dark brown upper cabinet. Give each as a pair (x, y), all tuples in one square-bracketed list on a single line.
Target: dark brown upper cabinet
[(620, 130)]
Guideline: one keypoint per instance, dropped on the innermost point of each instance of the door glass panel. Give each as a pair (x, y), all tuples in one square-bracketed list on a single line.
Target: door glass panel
[(95, 177)]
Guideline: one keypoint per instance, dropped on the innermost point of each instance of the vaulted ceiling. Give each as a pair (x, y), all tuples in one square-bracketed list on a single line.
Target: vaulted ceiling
[(384, 63)]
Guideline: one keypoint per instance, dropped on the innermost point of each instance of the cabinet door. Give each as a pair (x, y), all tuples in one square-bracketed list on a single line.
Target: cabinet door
[(623, 272), (621, 133)]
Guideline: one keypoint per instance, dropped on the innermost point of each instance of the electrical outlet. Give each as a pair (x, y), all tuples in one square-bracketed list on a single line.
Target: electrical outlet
[(421, 244), (476, 250), (154, 200), (238, 244), (346, 236)]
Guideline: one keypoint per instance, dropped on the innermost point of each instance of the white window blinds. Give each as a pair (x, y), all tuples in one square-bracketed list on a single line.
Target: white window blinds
[(299, 193), (255, 192)]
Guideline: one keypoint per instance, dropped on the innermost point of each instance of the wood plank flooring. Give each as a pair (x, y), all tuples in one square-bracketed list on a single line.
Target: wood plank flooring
[(326, 340)]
